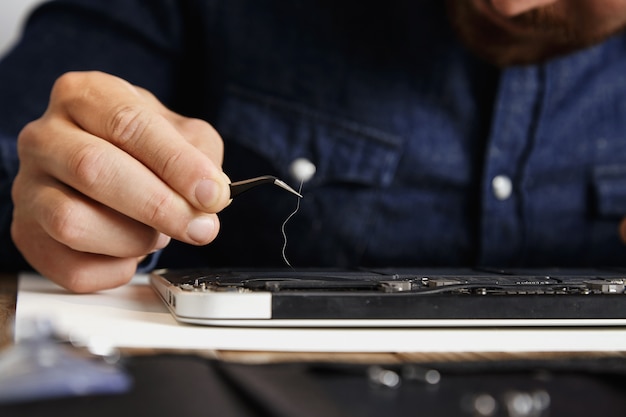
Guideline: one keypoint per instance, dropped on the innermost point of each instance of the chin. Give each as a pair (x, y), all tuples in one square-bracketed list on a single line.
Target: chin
[(504, 47)]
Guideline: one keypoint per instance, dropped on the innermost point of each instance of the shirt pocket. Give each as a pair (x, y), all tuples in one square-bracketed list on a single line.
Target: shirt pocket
[(281, 131)]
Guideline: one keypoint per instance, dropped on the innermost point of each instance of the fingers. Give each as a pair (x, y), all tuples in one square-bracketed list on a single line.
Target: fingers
[(106, 174), (135, 122), (76, 242), (77, 271), (84, 225)]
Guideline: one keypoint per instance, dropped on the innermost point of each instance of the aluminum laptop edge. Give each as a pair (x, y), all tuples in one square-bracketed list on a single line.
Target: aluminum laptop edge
[(394, 297)]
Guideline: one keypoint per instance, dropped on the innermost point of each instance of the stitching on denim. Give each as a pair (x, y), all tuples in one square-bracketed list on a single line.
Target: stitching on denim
[(293, 107)]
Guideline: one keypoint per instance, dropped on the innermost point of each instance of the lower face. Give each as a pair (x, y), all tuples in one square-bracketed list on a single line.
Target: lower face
[(536, 35)]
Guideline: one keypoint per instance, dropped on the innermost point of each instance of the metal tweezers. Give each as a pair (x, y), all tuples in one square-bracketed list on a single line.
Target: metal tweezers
[(239, 187)]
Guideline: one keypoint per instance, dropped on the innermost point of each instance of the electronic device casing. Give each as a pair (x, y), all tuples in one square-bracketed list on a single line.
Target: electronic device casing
[(394, 297)]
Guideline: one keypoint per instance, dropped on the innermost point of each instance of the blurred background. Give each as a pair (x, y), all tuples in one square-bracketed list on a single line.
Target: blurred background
[(12, 15)]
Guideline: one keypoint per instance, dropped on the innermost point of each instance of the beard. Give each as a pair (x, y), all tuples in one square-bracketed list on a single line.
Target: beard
[(529, 38)]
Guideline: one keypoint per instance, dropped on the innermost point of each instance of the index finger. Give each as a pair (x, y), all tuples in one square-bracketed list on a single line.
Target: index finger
[(111, 108)]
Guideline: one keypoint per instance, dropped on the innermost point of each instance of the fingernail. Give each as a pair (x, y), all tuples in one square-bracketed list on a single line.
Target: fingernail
[(201, 229), (162, 241), (207, 192)]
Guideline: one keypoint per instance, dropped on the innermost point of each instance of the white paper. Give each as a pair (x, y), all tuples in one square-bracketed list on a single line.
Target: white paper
[(134, 317)]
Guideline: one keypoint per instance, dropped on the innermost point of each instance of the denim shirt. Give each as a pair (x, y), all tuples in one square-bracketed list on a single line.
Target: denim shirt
[(424, 154)]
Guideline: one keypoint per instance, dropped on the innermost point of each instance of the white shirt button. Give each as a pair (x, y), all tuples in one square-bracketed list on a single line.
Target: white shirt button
[(302, 169), (502, 187)]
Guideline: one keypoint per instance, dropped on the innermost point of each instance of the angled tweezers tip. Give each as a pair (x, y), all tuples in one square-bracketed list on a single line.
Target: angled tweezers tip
[(239, 187)]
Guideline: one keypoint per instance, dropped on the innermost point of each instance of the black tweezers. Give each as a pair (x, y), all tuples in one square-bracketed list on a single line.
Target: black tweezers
[(239, 187)]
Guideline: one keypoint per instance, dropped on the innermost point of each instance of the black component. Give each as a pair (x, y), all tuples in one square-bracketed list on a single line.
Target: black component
[(423, 294)]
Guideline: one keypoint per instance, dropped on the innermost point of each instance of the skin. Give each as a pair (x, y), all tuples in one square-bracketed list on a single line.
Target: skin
[(108, 175), (518, 32)]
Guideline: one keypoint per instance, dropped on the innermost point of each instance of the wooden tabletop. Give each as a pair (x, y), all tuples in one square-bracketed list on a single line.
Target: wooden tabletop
[(8, 299)]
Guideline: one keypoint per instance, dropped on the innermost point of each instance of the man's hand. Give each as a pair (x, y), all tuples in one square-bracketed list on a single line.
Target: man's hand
[(107, 176)]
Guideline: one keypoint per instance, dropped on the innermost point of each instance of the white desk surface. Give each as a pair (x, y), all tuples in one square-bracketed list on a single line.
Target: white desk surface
[(134, 317)]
